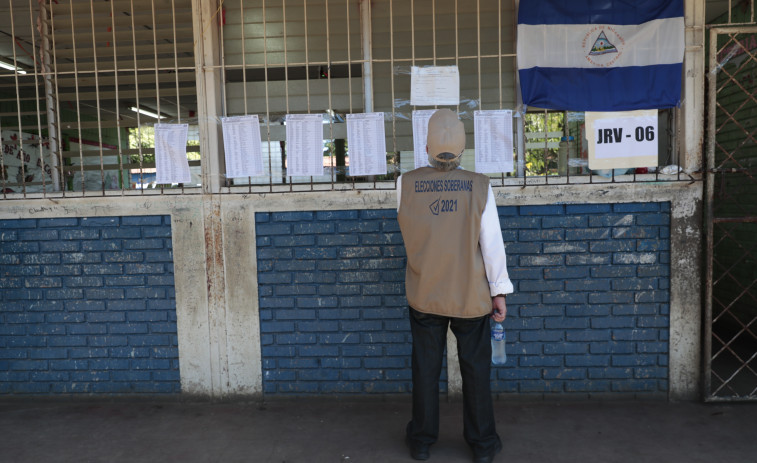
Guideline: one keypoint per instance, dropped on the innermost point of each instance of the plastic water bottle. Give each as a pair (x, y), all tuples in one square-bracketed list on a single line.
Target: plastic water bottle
[(499, 356)]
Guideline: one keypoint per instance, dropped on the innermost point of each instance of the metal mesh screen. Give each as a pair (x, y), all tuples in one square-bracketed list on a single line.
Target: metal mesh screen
[(732, 217)]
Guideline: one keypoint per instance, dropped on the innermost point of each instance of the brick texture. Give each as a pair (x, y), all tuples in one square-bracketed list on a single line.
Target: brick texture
[(589, 313), (590, 310), (80, 309), (332, 305)]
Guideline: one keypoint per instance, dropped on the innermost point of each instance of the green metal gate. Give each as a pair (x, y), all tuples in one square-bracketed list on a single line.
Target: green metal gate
[(731, 217)]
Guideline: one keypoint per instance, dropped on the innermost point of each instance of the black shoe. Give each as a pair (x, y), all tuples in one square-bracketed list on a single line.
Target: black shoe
[(418, 450), (488, 458)]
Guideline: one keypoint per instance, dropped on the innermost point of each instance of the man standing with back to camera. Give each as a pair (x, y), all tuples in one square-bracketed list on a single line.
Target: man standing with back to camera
[(456, 276)]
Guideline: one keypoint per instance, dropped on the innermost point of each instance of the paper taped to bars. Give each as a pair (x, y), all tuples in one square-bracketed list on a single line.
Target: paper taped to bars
[(600, 55)]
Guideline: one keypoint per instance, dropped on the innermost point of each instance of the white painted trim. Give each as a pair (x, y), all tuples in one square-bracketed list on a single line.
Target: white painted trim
[(242, 317), (691, 125), (191, 300)]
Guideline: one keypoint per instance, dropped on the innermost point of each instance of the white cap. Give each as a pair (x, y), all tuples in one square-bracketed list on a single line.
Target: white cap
[(446, 136)]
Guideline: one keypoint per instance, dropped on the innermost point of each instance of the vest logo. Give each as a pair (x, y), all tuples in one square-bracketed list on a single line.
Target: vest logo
[(606, 48), (434, 207)]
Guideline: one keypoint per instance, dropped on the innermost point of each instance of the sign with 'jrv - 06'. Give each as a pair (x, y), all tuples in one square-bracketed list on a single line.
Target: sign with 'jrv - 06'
[(622, 139)]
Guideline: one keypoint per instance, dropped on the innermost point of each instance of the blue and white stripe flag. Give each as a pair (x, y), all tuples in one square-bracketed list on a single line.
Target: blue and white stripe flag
[(600, 55)]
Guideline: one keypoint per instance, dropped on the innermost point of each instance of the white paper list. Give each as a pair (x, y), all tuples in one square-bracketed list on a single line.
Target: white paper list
[(171, 164), (420, 132), (241, 144), (367, 144), (304, 146), (435, 85), (494, 141)]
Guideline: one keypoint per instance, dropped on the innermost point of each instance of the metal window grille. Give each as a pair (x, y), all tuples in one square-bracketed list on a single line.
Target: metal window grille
[(77, 70)]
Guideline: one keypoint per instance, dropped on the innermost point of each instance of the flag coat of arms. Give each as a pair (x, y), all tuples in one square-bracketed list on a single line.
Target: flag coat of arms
[(600, 55)]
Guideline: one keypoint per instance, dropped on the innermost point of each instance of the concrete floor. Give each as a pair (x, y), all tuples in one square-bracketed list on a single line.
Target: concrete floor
[(363, 430)]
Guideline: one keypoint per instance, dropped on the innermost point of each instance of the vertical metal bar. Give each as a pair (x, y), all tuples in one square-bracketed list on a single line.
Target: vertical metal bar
[(499, 54), (3, 172), (307, 69), (225, 180), (520, 154), (286, 85), (349, 56), (433, 31), (332, 161), (412, 31), (36, 94), (176, 77), (97, 97), (22, 168), (118, 101), (546, 145), (155, 55), (708, 219), (244, 58), (366, 33), (222, 51), (136, 97), (307, 58), (457, 51), (391, 81), (522, 149), (78, 106), (267, 106), (478, 50), (58, 134), (349, 67), (412, 56), (457, 54), (157, 80), (176, 62), (244, 77), (286, 58), (44, 28)]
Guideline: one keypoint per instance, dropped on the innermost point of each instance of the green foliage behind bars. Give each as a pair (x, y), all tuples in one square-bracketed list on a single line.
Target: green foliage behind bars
[(543, 161)]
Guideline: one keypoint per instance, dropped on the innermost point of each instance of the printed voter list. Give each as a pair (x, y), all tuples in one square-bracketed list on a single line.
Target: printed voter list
[(241, 145), (494, 141), (420, 132), (171, 164), (304, 134), (367, 144)]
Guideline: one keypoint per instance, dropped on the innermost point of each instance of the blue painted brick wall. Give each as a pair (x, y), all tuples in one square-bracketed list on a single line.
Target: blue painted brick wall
[(333, 312), (87, 305), (590, 311)]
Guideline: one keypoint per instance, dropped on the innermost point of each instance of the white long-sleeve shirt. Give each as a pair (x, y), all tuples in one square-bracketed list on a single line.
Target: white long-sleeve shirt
[(492, 245)]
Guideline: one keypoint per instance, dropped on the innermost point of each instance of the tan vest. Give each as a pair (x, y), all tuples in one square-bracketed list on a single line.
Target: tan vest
[(440, 219)]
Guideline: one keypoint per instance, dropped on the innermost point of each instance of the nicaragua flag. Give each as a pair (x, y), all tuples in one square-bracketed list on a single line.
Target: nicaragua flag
[(600, 55)]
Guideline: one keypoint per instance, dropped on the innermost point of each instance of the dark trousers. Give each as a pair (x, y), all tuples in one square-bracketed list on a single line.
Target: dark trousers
[(474, 352)]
